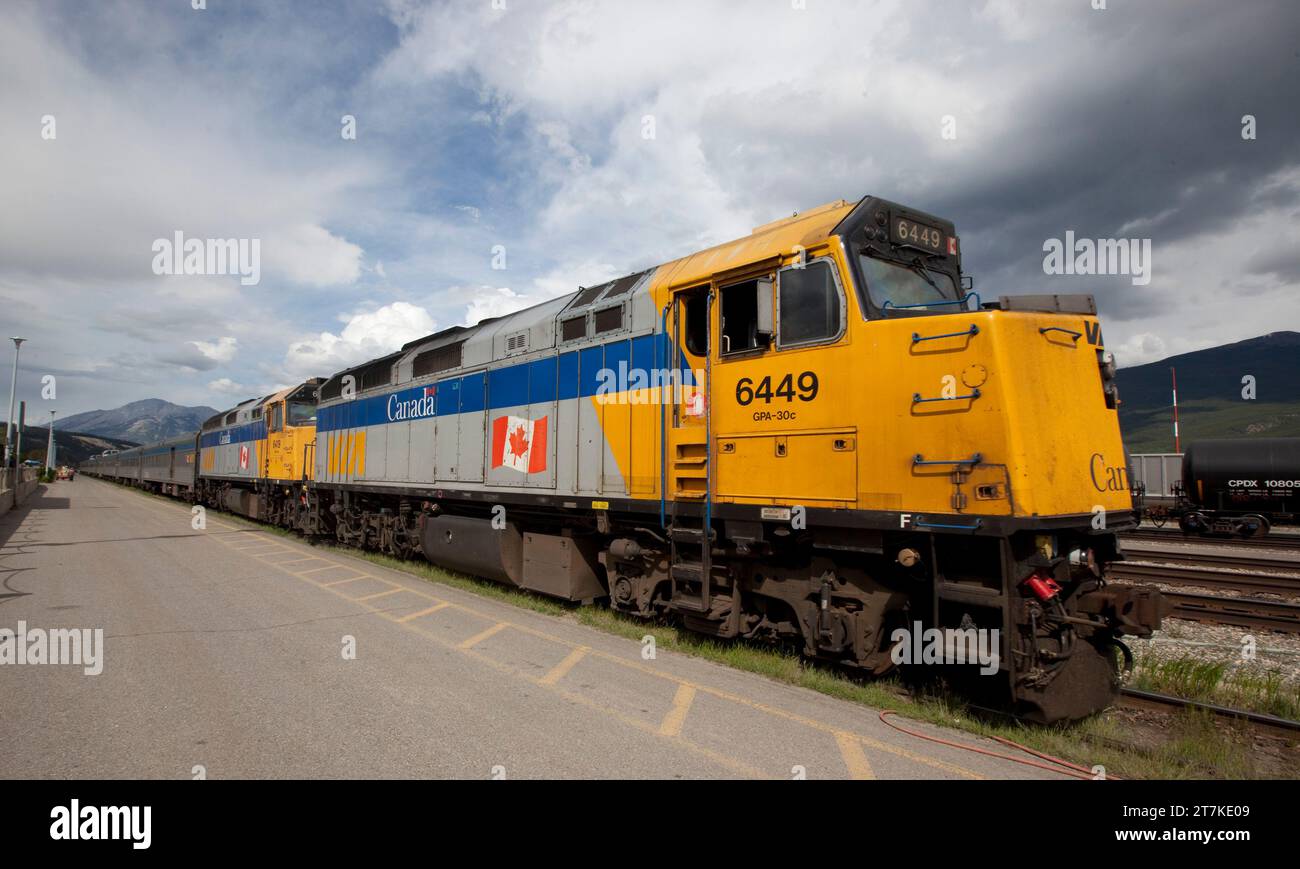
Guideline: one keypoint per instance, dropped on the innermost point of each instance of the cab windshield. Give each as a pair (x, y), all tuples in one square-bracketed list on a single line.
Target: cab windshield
[(902, 286), (301, 413)]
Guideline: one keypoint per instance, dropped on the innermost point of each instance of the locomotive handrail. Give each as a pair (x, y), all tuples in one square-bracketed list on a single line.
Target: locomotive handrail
[(973, 330), (1043, 330), (919, 524), (705, 591), (919, 459), (917, 399), (666, 350), (889, 303)]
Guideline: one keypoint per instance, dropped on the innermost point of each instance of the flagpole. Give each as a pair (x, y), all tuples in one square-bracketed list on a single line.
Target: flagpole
[(1173, 372)]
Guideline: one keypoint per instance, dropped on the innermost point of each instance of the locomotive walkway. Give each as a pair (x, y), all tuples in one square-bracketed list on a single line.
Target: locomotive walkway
[(224, 655)]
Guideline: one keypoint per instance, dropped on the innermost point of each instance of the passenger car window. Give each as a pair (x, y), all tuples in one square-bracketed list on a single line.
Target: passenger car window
[(809, 303)]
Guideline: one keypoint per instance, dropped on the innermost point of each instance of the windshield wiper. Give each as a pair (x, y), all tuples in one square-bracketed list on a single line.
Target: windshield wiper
[(919, 267)]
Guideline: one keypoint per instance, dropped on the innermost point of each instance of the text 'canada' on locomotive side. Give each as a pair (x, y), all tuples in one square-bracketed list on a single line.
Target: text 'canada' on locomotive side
[(814, 434)]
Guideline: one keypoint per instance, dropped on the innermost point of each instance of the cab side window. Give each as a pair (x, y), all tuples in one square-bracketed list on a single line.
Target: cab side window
[(809, 302), (696, 327), (277, 417), (746, 316)]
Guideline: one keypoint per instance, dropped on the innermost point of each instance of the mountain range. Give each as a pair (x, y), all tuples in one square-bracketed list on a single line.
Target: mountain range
[(1213, 389), (70, 447), (141, 422)]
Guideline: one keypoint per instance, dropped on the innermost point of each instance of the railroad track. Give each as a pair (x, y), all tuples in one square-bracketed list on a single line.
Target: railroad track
[(1215, 556), (1226, 580), (1245, 612), (1275, 540), (1271, 724)]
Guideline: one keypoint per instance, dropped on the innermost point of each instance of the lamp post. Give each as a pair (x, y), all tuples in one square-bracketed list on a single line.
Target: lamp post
[(13, 390), (18, 439), (49, 448)]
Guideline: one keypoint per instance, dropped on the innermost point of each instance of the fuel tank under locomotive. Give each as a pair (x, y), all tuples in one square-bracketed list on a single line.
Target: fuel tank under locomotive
[(560, 565)]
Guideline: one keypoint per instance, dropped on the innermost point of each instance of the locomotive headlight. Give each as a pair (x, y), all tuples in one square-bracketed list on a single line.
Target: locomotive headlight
[(1109, 388), (1106, 361)]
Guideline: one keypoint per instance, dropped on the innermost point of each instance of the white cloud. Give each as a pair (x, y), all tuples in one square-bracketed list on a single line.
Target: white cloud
[(311, 255), (1140, 349), (759, 112), (490, 302), (570, 275), (226, 386), (1015, 18), (223, 350), (137, 159), (363, 337)]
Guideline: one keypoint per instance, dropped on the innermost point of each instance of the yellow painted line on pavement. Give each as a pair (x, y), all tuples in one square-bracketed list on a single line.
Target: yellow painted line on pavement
[(854, 757), (329, 566), (422, 613), (630, 663), (345, 581), (380, 594), (792, 716), (676, 717), (480, 637), (560, 670), (736, 766)]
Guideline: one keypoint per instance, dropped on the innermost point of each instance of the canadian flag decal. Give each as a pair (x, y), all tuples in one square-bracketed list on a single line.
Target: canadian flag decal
[(243, 456), (519, 444)]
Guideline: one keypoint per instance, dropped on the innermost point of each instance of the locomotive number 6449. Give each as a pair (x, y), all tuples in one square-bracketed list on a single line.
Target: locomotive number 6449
[(804, 388)]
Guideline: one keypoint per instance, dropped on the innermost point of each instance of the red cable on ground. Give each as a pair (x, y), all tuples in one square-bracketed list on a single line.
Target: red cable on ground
[(1071, 769)]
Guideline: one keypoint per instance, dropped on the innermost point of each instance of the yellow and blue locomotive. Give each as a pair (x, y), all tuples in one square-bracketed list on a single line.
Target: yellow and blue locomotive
[(817, 433)]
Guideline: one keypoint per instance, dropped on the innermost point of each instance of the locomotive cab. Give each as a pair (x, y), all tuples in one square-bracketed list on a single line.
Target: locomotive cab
[(290, 433), (867, 448)]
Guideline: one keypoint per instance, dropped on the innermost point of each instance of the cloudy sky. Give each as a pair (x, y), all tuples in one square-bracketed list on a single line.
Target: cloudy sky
[(577, 140)]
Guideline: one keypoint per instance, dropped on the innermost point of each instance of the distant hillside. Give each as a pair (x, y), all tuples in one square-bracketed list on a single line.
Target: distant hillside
[(70, 448), (1210, 404), (140, 421)]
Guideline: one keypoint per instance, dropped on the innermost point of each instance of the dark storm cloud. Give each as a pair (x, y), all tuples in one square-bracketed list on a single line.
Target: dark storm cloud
[(1284, 262), (147, 324), (187, 356), (1144, 139)]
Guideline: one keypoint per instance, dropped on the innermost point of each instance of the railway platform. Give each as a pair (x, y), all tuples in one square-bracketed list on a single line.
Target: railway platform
[(234, 652)]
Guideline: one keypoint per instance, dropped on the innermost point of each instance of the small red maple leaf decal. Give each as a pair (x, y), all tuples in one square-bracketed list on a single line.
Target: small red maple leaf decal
[(518, 441)]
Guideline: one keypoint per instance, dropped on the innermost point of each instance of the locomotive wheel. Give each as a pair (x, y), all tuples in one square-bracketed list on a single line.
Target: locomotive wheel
[(1088, 682), (1192, 523), (1253, 526)]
